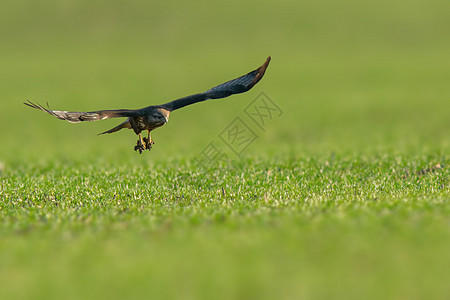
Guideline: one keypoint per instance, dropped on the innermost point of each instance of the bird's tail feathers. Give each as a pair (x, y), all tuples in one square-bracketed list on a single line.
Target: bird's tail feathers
[(125, 124)]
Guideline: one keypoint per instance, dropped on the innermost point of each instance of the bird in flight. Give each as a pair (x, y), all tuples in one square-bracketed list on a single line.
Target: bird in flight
[(152, 117)]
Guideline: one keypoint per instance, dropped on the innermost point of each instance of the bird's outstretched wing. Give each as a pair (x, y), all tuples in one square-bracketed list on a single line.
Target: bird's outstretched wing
[(235, 86), (76, 117)]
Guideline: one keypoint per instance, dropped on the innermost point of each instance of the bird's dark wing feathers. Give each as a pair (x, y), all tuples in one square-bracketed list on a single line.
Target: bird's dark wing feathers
[(76, 117), (239, 85)]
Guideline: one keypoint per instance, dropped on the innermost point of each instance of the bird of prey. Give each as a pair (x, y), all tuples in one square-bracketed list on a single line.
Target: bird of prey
[(152, 117)]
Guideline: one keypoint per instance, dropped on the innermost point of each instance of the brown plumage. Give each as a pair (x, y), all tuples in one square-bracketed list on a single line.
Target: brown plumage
[(152, 117)]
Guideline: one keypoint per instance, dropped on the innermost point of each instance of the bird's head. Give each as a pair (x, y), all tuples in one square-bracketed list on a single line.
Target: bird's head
[(160, 117)]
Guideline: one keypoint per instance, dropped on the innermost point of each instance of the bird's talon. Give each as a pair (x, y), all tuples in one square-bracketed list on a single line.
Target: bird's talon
[(148, 143), (139, 147)]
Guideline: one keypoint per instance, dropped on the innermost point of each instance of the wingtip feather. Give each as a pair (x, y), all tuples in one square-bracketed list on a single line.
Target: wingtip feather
[(40, 107), (261, 71), (30, 104)]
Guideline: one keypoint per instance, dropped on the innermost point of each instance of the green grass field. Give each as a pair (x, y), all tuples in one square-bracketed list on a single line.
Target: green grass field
[(343, 193)]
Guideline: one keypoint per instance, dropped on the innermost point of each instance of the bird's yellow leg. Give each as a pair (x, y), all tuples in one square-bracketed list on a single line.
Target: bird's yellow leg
[(148, 141), (141, 140)]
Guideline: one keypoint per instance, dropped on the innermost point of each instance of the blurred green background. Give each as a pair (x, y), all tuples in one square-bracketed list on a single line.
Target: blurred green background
[(365, 79), (349, 75)]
